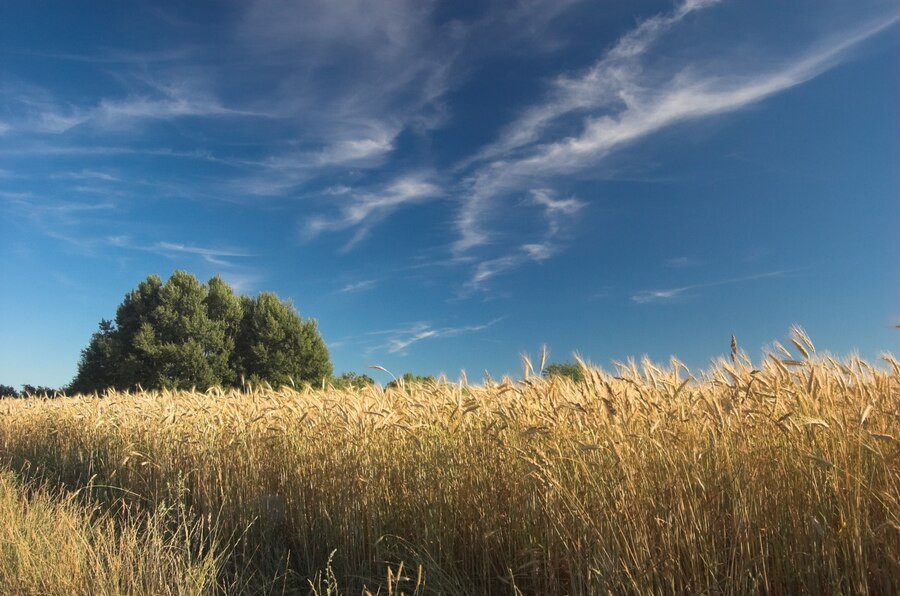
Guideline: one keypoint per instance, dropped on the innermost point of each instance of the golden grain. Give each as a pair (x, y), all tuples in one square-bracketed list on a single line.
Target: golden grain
[(633, 482)]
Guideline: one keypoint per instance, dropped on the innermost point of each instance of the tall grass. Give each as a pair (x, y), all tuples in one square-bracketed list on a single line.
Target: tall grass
[(783, 478), (55, 544)]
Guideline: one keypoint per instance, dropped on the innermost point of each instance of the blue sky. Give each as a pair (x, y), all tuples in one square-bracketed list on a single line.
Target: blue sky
[(446, 185)]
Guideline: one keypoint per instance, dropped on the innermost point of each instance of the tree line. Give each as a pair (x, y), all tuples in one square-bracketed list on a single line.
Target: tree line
[(182, 334)]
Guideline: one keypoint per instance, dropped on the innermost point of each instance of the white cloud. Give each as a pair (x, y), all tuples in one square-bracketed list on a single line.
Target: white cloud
[(648, 296), (681, 262), (617, 102), (87, 174), (538, 251), (211, 255), (555, 213), (41, 208), (359, 286), (116, 113), (215, 256), (485, 270), (645, 296), (601, 86), (281, 174), (544, 196), (403, 338), (347, 77), (242, 282), (364, 209)]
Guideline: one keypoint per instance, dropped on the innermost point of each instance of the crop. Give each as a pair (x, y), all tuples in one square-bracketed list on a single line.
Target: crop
[(781, 478), (56, 544)]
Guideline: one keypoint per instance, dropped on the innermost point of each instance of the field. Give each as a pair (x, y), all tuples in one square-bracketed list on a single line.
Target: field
[(778, 478)]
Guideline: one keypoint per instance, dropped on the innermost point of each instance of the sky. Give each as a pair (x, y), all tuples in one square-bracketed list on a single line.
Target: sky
[(446, 186)]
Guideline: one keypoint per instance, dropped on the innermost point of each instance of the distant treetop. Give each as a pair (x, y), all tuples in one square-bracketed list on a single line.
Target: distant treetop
[(564, 369)]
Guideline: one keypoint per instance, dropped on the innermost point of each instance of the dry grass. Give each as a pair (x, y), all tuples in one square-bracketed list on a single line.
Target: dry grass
[(778, 479), (55, 545)]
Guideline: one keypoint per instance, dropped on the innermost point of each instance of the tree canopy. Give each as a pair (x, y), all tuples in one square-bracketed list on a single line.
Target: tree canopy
[(565, 369), (409, 379), (181, 334), (352, 380)]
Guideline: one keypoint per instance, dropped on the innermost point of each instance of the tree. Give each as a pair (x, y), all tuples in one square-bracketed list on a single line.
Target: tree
[(349, 380), (225, 311), (98, 363), (564, 369), (182, 334), (40, 390), (408, 379), (275, 345), (8, 391), (165, 336)]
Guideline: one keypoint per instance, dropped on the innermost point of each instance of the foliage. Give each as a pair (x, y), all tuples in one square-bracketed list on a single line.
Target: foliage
[(275, 346), (409, 379), (564, 369), (182, 334), (8, 391), (39, 391), (352, 380)]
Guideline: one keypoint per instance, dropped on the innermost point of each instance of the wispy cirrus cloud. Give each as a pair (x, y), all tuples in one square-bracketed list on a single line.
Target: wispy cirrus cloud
[(556, 212), (54, 217), (341, 96), (601, 86), (362, 210), (87, 174), (44, 114), (215, 256), (358, 286), (651, 296), (682, 262), (623, 98), (403, 338)]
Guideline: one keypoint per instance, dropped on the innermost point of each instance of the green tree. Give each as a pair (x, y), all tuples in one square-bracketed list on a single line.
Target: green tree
[(39, 391), (182, 334), (408, 379), (351, 379), (225, 312), (98, 366), (274, 344), (170, 340), (8, 391), (564, 369), (131, 361)]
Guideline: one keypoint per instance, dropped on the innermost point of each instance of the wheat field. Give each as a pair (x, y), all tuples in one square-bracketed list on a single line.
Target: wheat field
[(781, 477)]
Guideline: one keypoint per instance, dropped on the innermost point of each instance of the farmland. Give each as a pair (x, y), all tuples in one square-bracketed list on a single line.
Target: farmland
[(781, 476)]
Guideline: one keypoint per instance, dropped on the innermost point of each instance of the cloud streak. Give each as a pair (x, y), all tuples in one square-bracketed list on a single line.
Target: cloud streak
[(359, 286), (215, 256), (362, 210), (651, 296), (404, 338), (165, 103)]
